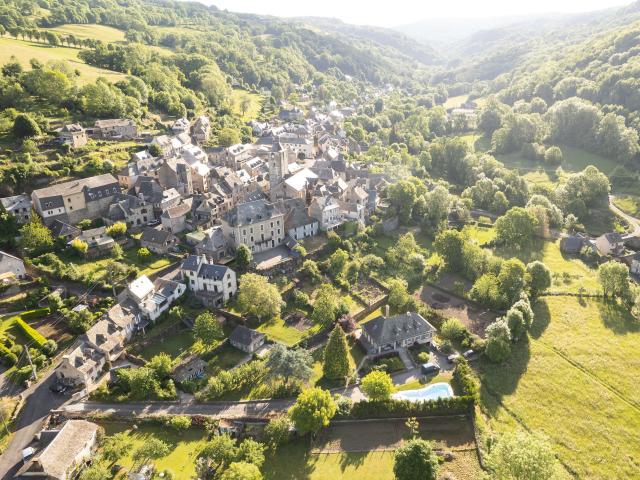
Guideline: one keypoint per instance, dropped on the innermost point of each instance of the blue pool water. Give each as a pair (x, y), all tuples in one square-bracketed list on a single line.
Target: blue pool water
[(430, 392)]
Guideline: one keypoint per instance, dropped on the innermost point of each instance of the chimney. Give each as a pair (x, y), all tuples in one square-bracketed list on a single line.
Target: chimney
[(386, 311)]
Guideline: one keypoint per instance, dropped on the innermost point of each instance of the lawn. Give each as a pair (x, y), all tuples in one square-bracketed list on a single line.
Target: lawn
[(26, 50), (185, 447), (481, 235), (95, 270), (569, 273), (576, 382), (278, 331), (254, 104), (174, 346), (455, 102), (96, 32)]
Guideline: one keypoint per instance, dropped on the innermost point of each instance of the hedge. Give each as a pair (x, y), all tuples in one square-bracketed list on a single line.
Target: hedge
[(28, 330), (406, 408)]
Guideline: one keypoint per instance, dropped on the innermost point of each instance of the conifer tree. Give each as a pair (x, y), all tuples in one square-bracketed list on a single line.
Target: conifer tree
[(336, 355)]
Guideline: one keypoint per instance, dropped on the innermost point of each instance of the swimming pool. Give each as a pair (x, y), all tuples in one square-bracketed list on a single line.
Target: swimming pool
[(430, 392)]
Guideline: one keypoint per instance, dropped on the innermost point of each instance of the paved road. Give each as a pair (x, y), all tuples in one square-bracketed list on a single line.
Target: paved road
[(633, 221), (39, 400), (228, 410)]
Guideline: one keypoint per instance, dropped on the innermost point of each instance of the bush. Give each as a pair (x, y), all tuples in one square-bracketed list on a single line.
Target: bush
[(49, 348), (390, 408), (179, 422), (464, 382), (31, 332)]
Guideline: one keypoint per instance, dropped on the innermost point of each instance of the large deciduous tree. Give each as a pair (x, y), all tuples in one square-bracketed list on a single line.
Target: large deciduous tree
[(522, 456), (256, 296), (377, 386), (314, 409)]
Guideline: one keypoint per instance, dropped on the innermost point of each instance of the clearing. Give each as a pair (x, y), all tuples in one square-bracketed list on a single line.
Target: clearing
[(96, 32), (26, 50), (251, 101), (575, 380)]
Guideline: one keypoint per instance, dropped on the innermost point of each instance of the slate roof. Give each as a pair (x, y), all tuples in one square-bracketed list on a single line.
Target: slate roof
[(251, 212), (151, 235), (244, 336), (397, 328), (62, 229)]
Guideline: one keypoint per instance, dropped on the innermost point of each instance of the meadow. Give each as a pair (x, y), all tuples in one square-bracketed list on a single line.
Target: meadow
[(26, 50), (573, 380), (96, 32)]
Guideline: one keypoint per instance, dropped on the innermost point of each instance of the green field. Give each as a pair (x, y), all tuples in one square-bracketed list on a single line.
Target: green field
[(254, 104), (277, 330), (96, 32), (95, 270), (576, 382), (570, 273), (455, 102), (185, 447), (26, 50)]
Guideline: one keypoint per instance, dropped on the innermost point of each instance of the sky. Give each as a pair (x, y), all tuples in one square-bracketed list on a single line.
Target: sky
[(389, 13)]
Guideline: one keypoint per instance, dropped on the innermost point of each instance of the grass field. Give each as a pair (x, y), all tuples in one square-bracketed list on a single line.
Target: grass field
[(569, 273), (181, 460), (25, 51), (96, 32), (279, 331), (254, 104), (575, 381), (455, 102), (96, 269)]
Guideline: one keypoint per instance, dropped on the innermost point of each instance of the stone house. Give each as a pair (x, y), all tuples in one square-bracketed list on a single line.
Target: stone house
[(401, 331), (158, 241), (73, 134), (246, 339), (258, 224), (212, 283), (11, 266)]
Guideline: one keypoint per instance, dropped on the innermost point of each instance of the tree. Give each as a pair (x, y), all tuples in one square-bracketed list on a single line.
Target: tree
[(289, 363), (314, 409), (338, 261), (228, 136), (118, 229), (522, 456), (415, 460), (95, 472), (452, 329), (524, 307), (80, 246), (116, 446), (243, 257), (241, 471), (24, 126), (614, 278), (277, 432), (219, 452), (512, 279), (515, 320), (336, 355), (449, 244), (539, 277), (143, 254), (325, 306), (498, 346), (398, 294), (553, 156), (35, 238), (162, 365), (516, 227), (116, 252), (207, 329), (377, 386), (151, 449), (179, 422), (155, 150), (256, 296), (251, 452), (311, 271), (55, 302)]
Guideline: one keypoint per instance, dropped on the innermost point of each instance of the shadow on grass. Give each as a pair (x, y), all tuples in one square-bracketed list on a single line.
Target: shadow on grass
[(352, 460), (500, 380), (290, 462), (541, 318), (616, 318)]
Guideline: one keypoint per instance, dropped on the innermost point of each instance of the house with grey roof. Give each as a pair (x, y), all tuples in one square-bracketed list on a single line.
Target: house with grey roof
[(132, 210), (158, 241), (213, 284), (63, 230), (246, 339), (258, 224), (19, 206), (71, 202), (213, 245), (201, 130), (386, 334), (174, 219), (610, 243), (11, 267), (73, 134), (298, 223), (115, 129), (63, 453)]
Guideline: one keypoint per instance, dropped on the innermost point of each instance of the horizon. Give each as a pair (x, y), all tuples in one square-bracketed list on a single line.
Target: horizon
[(406, 12)]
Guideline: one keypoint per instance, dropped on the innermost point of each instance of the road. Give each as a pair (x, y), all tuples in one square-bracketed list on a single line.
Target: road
[(228, 410), (633, 221), (38, 402)]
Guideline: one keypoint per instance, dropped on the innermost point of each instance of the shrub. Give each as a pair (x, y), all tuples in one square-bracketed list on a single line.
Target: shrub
[(463, 380), (179, 422), (31, 332), (453, 330), (50, 347), (390, 408)]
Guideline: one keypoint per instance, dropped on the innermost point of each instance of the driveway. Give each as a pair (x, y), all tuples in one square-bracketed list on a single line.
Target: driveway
[(633, 221), (39, 400)]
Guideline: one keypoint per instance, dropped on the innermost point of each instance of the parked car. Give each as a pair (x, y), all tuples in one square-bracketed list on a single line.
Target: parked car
[(430, 368), (453, 357), (469, 354), (58, 388)]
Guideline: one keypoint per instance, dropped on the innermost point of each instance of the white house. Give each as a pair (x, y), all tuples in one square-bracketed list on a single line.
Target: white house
[(11, 266), (153, 299), (258, 224), (214, 284), (327, 211)]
